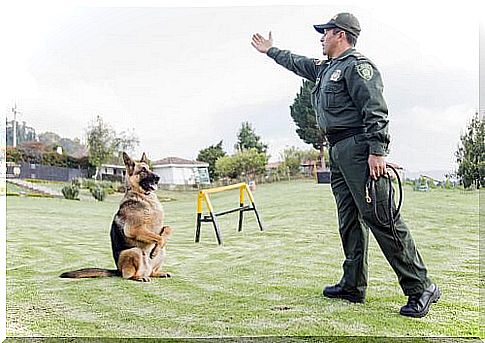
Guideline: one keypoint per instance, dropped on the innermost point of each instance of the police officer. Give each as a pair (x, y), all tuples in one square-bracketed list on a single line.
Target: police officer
[(351, 109)]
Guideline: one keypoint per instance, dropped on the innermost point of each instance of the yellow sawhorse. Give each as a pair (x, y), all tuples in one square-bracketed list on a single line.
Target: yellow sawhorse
[(203, 196)]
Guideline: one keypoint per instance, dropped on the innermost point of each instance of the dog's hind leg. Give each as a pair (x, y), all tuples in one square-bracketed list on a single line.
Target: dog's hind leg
[(131, 264), (157, 264), (161, 274)]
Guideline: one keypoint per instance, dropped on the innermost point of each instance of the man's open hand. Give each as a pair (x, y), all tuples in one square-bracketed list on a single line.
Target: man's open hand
[(262, 44)]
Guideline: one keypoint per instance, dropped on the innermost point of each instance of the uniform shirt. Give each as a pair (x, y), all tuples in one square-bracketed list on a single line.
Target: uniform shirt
[(347, 93)]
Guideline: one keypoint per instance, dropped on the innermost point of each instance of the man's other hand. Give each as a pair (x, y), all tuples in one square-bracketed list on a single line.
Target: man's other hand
[(377, 166)]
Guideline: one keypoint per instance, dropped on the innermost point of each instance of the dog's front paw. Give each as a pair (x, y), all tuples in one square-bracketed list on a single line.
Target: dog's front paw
[(166, 231), (155, 251)]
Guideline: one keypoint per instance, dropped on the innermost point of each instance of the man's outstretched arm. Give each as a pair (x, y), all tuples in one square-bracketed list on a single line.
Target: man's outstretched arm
[(300, 65)]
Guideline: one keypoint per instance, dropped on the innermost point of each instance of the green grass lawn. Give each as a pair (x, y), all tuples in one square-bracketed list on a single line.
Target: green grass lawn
[(258, 283)]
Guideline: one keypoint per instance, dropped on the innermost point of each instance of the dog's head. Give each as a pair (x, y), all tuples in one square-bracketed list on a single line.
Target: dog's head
[(139, 177)]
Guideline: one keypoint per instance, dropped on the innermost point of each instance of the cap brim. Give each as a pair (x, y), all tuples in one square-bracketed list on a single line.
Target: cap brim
[(320, 28)]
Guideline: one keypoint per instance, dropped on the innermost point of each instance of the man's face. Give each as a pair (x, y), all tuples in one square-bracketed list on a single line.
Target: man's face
[(329, 41)]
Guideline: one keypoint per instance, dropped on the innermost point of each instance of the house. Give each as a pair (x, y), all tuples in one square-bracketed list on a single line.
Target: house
[(172, 171), (112, 172), (178, 171)]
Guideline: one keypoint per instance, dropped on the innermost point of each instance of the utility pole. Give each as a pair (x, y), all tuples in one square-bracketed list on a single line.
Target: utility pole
[(14, 110)]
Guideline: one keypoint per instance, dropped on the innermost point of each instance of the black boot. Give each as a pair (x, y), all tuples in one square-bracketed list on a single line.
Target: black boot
[(418, 305), (337, 291)]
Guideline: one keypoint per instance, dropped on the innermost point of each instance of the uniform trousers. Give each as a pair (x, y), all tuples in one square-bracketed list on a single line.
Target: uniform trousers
[(349, 174)]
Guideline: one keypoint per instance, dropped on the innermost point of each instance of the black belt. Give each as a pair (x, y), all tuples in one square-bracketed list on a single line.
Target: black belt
[(336, 136)]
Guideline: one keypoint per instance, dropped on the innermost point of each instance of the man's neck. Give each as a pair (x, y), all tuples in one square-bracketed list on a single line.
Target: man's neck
[(340, 50)]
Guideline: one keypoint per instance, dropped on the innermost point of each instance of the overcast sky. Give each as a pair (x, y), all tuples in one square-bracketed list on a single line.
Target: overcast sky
[(186, 77)]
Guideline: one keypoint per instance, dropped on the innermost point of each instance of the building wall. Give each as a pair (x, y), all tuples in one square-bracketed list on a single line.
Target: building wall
[(177, 175), (166, 175), (183, 176)]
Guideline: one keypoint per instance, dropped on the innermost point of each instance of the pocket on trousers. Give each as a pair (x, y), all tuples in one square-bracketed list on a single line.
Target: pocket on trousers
[(360, 147)]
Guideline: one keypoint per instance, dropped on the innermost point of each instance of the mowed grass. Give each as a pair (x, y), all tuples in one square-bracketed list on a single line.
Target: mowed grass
[(257, 284)]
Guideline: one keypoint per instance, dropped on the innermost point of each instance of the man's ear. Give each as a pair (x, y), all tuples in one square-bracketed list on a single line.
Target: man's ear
[(129, 164), (144, 158)]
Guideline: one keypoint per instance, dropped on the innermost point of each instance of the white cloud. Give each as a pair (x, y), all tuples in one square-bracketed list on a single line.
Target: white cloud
[(426, 139)]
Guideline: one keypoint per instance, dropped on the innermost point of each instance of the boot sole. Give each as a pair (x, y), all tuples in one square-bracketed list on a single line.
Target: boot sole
[(344, 297), (434, 299)]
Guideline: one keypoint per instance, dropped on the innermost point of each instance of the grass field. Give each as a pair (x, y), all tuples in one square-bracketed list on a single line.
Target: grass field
[(257, 284)]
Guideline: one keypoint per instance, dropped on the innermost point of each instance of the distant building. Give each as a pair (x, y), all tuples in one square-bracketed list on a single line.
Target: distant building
[(172, 171), (112, 172), (178, 171)]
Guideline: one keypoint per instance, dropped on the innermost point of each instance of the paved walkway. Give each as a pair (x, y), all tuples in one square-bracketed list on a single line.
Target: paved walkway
[(45, 190), (36, 187)]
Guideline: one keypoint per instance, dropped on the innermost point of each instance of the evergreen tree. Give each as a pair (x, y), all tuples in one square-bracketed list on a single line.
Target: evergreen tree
[(471, 154), (210, 155), (304, 117), (247, 139)]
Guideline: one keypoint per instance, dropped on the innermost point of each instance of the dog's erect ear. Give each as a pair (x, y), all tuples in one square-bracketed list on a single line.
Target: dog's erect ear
[(129, 164), (144, 158)]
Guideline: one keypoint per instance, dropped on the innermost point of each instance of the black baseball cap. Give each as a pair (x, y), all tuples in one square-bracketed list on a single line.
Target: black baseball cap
[(345, 21)]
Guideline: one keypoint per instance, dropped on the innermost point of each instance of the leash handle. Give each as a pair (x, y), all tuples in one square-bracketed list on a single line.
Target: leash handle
[(393, 214)]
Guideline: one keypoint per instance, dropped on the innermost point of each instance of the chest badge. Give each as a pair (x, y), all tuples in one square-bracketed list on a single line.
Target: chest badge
[(335, 75)]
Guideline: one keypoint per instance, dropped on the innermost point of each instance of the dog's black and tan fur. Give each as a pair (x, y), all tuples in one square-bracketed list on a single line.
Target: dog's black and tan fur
[(138, 237)]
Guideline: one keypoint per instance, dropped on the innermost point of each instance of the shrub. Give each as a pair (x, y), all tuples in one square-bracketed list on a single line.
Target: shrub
[(243, 163), (77, 181), (89, 183), (109, 186), (98, 192), (70, 192)]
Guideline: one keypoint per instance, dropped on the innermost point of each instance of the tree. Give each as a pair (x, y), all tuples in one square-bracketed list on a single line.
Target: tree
[(125, 141), (72, 147), (471, 153), (105, 145), (210, 155), (247, 139), (304, 117), (247, 163), (292, 158)]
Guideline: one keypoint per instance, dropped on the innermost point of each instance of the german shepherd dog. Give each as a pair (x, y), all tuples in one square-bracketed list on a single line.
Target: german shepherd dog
[(138, 237)]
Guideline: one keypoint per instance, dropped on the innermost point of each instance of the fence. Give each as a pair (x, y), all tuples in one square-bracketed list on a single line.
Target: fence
[(39, 171)]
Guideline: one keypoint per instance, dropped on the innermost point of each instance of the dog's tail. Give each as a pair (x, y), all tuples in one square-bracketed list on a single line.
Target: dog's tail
[(90, 273)]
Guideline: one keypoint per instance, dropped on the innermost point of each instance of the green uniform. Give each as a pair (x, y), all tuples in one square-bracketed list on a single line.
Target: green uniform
[(347, 97)]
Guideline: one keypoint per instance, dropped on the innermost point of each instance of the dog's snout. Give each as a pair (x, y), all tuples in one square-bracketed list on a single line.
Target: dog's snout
[(156, 177)]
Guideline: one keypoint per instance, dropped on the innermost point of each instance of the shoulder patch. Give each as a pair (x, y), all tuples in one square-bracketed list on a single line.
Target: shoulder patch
[(365, 70)]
